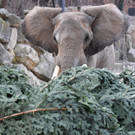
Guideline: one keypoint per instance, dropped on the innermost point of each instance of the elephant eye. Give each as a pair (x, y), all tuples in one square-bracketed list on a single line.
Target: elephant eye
[(87, 38), (55, 39)]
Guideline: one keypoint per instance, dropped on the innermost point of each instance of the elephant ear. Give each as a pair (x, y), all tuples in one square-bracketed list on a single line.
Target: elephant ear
[(108, 26), (38, 27)]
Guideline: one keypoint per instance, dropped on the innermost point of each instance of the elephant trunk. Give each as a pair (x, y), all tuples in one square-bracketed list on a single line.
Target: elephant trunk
[(66, 64), (66, 55), (70, 55)]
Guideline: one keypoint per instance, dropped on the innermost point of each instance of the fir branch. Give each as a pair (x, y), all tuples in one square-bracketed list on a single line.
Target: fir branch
[(73, 77)]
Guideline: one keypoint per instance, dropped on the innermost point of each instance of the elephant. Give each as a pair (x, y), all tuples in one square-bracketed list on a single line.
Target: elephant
[(77, 37)]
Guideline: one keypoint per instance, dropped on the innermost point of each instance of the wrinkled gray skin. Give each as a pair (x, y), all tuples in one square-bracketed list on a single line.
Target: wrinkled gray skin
[(77, 38)]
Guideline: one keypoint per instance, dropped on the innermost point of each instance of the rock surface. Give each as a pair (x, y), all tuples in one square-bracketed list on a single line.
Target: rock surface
[(131, 55), (5, 57), (124, 47), (14, 20), (44, 69), (13, 40), (5, 31), (4, 13), (26, 55), (16, 50), (32, 79)]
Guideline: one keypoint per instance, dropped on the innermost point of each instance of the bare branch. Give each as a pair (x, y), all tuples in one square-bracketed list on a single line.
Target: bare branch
[(31, 111)]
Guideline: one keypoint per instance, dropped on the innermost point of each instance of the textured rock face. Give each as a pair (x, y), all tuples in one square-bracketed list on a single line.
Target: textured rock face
[(131, 30), (16, 50), (45, 67), (32, 79), (14, 20), (4, 13), (5, 57), (131, 55), (13, 40), (127, 41), (26, 55), (5, 31), (125, 48)]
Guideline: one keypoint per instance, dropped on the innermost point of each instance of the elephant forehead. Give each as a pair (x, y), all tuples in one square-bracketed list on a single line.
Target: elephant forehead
[(73, 17), (71, 24)]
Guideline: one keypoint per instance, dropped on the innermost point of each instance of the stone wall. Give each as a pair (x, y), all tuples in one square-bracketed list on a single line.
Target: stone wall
[(15, 50), (125, 48)]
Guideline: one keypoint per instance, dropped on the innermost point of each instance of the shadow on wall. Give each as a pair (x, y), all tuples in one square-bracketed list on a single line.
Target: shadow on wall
[(131, 11)]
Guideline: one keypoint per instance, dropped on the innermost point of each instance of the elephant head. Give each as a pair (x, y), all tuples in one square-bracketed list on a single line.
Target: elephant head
[(74, 36)]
